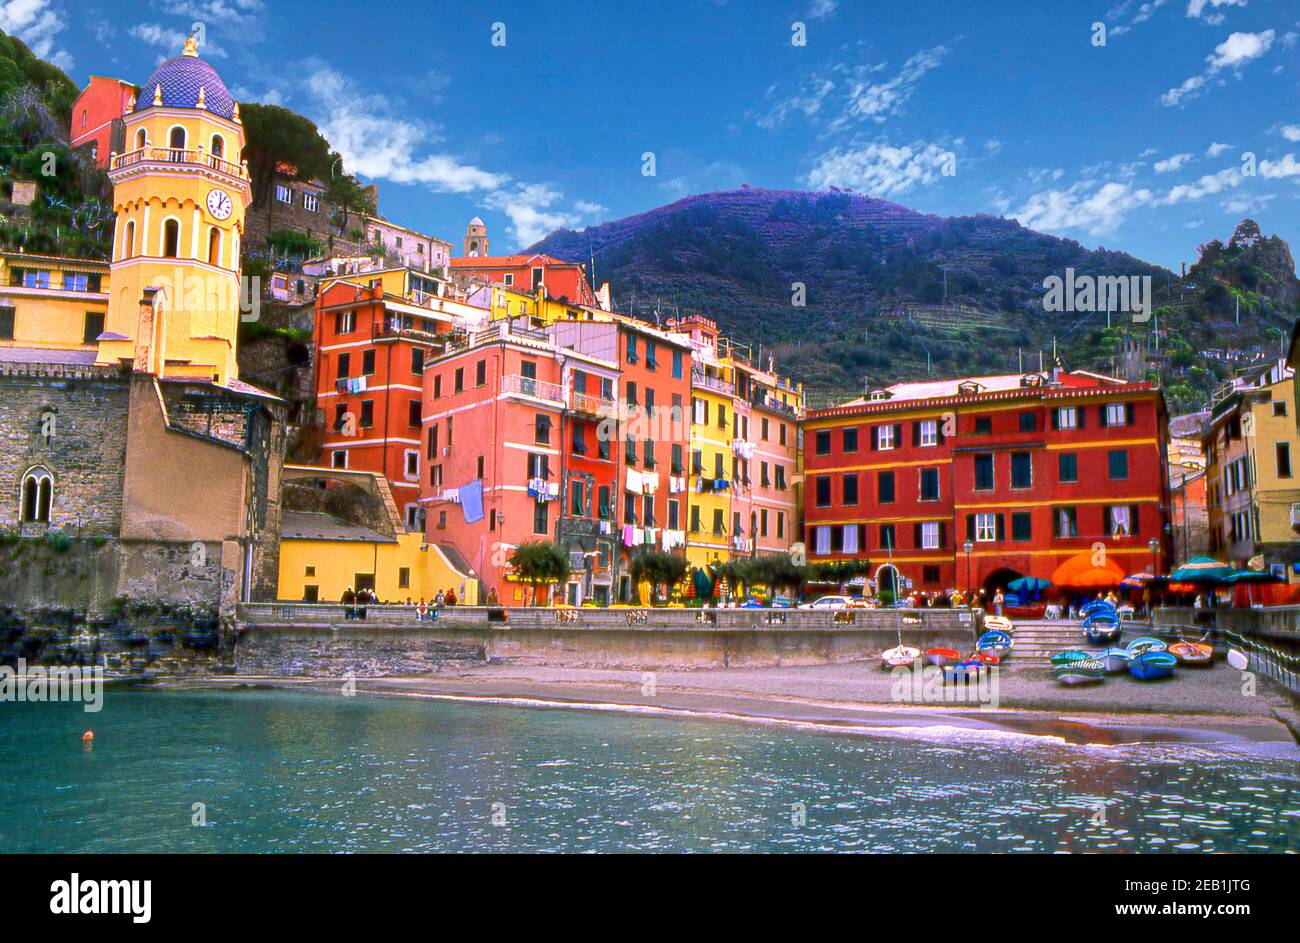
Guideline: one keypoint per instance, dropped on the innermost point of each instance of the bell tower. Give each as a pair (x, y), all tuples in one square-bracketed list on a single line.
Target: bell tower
[(476, 240), (180, 193)]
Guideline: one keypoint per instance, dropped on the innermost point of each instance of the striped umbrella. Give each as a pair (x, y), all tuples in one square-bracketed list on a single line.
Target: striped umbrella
[(1137, 580), (1202, 570)]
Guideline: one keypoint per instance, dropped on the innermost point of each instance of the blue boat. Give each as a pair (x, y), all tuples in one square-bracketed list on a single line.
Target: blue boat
[(995, 642), (967, 670), (1097, 606), (1151, 665), (1102, 628), (1146, 644)]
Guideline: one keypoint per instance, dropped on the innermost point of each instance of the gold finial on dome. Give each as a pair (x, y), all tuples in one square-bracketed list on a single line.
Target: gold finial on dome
[(157, 94), (130, 104), (234, 114), (191, 46), (203, 101)]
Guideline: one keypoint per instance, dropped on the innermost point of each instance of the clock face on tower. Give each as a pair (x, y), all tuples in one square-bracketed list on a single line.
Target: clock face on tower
[(219, 204)]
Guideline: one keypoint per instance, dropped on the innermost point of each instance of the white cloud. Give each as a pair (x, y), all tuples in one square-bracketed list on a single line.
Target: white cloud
[(1235, 52), (1206, 185), (1197, 7), (532, 212), (1171, 163), (1291, 132), (1215, 149), (879, 169), (1288, 166), (878, 101), (375, 142), (37, 23), (822, 8), (172, 41), (808, 102), (1246, 203), (228, 11), (1094, 209)]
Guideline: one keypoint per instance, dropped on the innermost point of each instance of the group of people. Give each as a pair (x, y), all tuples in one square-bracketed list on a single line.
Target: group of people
[(356, 601), (952, 599)]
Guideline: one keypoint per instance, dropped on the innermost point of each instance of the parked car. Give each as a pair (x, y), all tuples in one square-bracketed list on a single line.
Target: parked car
[(827, 602)]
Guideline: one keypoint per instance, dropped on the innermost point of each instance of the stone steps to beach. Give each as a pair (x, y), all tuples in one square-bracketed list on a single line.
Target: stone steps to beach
[(1036, 642)]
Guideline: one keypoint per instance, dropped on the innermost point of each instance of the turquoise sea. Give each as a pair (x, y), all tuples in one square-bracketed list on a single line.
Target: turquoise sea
[(280, 771)]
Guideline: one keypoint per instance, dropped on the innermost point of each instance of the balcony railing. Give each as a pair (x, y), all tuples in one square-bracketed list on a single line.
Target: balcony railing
[(173, 155), (774, 404), (701, 379), (528, 386), (593, 405)]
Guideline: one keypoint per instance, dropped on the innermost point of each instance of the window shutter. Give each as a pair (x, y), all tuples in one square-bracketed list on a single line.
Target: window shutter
[(1107, 525), (1128, 412), (916, 433), (1001, 527), (943, 534), (898, 434), (875, 438), (916, 535), (1056, 522), (938, 430), (1101, 416), (1056, 419), (970, 526), (1133, 519), (1083, 417)]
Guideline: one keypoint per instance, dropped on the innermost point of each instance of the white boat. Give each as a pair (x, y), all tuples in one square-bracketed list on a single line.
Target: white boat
[(899, 657)]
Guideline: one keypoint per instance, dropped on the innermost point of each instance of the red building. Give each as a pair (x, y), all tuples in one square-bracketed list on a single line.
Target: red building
[(515, 451), (371, 349), (97, 117), (1003, 476), (564, 281)]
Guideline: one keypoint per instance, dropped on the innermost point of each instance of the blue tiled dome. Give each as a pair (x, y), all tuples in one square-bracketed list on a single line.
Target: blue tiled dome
[(181, 77)]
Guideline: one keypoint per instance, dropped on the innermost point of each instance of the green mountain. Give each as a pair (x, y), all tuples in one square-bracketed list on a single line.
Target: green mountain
[(890, 293)]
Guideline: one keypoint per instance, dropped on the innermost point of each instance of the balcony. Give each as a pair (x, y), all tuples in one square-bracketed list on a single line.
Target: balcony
[(773, 404), (701, 380), (528, 386), (171, 155), (597, 406)]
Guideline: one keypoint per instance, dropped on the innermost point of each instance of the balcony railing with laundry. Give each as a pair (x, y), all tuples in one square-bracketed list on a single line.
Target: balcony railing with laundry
[(599, 406), (718, 385)]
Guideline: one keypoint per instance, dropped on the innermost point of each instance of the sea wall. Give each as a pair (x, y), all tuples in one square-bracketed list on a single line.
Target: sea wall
[(1270, 636), (317, 640)]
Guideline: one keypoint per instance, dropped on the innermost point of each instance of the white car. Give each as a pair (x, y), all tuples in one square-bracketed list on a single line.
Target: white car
[(828, 602)]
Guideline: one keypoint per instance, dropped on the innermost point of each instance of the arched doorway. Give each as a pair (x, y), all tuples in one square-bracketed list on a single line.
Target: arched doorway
[(887, 579), (999, 579)]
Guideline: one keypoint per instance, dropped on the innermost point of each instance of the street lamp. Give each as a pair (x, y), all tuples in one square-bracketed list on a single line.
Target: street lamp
[(969, 547), (1154, 544)]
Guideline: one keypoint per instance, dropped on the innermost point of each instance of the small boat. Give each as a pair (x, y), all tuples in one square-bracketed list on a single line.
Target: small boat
[(998, 623), (995, 642), (900, 657), (1192, 653), (1116, 660), (987, 658), (1097, 606), (1101, 628), (1079, 671), (1146, 644), (942, 657), (1150, 665), (1073, 654), (1238, 659), (966, 670)]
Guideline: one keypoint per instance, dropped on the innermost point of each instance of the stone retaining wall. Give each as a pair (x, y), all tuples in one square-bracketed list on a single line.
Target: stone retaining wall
[(305, 639)]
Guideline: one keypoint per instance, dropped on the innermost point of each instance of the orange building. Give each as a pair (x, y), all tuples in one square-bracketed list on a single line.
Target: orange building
[(372, 346), (564, 281), (97, 117)]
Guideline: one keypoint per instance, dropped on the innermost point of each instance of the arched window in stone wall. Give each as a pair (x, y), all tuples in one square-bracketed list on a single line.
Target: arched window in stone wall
[(37, 496), (128, 244), (218, 146), (214, 245), (171, 238)]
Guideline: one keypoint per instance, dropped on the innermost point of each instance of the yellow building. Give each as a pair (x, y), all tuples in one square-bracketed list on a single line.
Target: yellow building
[(1253, 494), (180, 194), (323, 555), (53, 303)]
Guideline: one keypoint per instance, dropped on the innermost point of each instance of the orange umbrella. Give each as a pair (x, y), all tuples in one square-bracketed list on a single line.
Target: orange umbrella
[(1081, 572)]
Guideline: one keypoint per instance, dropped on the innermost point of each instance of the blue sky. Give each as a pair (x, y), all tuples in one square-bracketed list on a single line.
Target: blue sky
[(1138, 144)]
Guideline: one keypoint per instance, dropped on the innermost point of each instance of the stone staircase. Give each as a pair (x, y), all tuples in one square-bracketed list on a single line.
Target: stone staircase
[(1036, 642)]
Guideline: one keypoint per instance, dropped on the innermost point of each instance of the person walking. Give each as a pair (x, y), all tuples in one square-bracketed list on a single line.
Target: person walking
[(998, 600), (451, 597)]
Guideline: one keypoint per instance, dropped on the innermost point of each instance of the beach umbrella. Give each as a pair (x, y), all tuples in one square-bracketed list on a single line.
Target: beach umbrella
[(1080, 572), (1137, 580), (1202, 570), (1027, 585)]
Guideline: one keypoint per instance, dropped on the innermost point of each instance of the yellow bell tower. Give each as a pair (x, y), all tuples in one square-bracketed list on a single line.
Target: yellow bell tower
[(180, 193)]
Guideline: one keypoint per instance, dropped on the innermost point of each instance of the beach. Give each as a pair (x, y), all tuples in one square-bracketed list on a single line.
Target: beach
[(1195, 704)]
